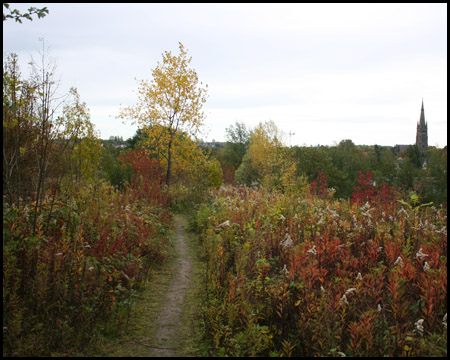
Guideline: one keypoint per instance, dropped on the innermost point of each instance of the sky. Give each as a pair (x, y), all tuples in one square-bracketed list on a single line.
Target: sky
[(322, 72)]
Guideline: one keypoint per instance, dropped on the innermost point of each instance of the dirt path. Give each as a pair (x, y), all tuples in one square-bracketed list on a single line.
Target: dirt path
[(167, 336), (163, 318)]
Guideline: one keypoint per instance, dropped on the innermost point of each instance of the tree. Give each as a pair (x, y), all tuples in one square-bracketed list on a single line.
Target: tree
[(236, 146), (49, 124), (42, 145), (137, 140), (170, 104), (415, 155), (258, 161), (384, 166), (19, 132), (17, 16), (310, 160), (247, 173), (80, 135), (264, 140), (348, 160), (268, 161), (437, 165)]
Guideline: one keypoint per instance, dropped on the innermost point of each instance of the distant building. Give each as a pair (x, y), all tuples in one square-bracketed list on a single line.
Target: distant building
[(399, 148), (422, 132), (421, 136), (115, 141), (211, 145)]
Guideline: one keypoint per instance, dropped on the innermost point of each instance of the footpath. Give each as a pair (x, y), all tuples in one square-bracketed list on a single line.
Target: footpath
[(163, 318), (167, 337)]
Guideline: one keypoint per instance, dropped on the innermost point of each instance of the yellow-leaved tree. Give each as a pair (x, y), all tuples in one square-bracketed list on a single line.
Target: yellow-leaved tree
[(83, 145), (265, 140), (269, 162), (264, 145), (170, 105)]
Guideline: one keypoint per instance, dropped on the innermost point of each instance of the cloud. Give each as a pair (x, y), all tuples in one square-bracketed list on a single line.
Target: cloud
[(346, 67)]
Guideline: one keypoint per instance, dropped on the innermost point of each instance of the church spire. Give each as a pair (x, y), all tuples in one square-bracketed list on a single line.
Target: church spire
[(422, 132), (422, 116)]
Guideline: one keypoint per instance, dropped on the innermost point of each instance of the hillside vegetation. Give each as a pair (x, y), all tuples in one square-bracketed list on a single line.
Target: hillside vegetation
[(336, 250), (315, 276)]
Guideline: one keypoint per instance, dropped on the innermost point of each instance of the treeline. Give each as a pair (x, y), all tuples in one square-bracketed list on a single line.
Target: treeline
[(258, 156)]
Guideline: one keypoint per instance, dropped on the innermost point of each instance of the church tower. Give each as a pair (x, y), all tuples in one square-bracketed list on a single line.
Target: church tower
[(422, 133)]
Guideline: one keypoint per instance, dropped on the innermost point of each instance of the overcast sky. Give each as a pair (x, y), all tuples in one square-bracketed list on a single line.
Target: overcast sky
[(325, 72)]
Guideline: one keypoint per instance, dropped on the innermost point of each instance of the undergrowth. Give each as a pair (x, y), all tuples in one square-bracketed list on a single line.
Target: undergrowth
[(77, 276), (314, 276)]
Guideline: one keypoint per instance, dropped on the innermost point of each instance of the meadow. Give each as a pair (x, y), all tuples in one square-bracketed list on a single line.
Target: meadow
[(315, 276)]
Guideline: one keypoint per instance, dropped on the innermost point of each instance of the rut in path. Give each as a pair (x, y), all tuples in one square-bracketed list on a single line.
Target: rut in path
[(167, 336)]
